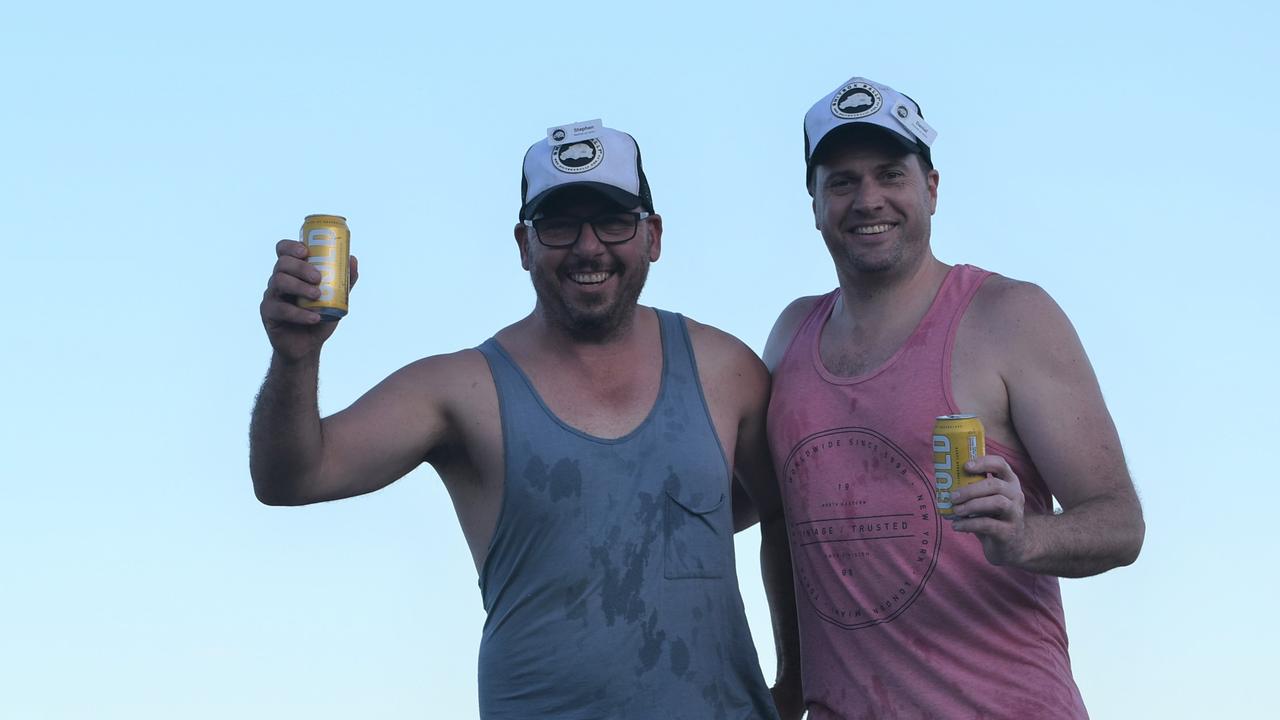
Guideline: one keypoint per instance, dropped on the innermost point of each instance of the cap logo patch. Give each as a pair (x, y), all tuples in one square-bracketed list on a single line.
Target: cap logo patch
[(856, 100), (578, 157)]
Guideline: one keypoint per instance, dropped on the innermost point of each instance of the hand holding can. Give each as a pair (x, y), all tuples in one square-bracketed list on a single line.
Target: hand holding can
[(328, 242), (294, 303), (956, 440)]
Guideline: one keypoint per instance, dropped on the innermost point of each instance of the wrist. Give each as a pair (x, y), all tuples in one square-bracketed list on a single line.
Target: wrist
[(291, 362), (1026, 548)]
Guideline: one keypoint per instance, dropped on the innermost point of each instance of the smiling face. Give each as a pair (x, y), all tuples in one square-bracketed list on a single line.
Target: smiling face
[(589, 289), (873, 204)]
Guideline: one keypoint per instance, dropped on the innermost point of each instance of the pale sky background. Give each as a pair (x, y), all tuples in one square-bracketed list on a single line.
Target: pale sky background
[(1122, 155)]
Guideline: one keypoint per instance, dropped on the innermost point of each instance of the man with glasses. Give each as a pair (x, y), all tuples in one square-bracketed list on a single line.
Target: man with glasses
[(905, 614), (591, 451)]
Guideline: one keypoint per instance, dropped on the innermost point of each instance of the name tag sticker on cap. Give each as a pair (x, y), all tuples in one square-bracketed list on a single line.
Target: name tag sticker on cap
[(911, 120), (573, 132)]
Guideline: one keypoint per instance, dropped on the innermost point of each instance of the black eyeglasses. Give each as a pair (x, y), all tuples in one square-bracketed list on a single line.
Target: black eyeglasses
[(563, 231)]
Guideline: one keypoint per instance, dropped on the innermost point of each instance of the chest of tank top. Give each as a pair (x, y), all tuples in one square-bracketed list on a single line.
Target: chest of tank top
[(887, 592), (609, 582), (565, 488)]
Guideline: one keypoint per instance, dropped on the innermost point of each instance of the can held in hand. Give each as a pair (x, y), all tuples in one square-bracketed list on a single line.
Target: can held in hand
[(956, 440), (328, 242)]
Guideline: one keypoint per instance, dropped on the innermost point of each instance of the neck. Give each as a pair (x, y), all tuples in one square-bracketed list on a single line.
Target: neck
[(559, 336), (866, 295)]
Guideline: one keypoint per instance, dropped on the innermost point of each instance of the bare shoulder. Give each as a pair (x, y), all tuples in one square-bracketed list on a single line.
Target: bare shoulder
[(446, 387), (448, 369), (735, 385), (1019, 317), (420, 409), (717, 349), (785, 327), (734, 379), (456, 380), (1010, 304)]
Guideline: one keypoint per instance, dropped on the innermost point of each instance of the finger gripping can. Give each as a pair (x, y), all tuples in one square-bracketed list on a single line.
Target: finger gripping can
[(328, 242), (956, 440)]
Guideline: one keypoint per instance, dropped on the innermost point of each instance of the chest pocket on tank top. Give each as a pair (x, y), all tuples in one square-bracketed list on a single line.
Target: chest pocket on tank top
[(697, 535)]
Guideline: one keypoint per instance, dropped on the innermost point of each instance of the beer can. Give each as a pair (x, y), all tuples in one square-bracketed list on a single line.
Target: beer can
[(956, 440), (328, 242)]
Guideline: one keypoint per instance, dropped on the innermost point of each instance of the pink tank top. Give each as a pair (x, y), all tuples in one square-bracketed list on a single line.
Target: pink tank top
[(900, 616)]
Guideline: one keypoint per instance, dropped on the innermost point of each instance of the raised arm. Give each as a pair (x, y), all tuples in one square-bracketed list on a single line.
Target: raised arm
[(1058, 413), (295, 457)]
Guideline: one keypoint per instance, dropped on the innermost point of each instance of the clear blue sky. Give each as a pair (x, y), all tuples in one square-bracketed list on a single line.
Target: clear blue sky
[(1122, 155)]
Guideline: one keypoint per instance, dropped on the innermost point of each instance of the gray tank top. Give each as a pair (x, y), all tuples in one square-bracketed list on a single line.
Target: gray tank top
[(609, 584)]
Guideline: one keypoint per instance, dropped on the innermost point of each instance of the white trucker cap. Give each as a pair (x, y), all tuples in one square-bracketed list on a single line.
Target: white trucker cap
[(587, 154), (866, 102)]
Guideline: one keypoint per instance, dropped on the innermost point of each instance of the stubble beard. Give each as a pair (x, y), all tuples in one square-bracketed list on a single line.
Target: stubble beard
[(902, 253), (597, 322), (875, 265), (847, 256)]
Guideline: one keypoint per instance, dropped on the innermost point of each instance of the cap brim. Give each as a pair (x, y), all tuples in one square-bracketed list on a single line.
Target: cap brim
[(847, 130), (623, 198)]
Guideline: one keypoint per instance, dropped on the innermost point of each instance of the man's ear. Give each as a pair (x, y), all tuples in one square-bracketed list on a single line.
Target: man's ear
[(655, 236), (522, 241)]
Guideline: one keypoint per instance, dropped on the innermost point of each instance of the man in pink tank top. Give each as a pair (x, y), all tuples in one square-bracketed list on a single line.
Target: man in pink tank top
[(903, 614)]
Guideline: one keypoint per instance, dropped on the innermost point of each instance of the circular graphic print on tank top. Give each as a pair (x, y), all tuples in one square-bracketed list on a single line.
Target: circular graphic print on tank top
[(863, 528)]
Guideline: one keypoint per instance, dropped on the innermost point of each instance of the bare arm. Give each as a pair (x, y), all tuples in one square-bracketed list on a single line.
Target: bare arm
[(1058, 413), (737, 387), (296, 458), (775, 551), (753, 470), (744, 512), (284, 433)]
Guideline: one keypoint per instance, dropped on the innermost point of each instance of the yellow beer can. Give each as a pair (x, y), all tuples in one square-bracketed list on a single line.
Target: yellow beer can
[(956, 439), (328, 242)]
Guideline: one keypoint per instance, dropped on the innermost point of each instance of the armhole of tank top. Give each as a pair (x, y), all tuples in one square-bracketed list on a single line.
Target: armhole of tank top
[(702, 396), (953, 331), (493, 354), (947, 393), (809, 318)]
